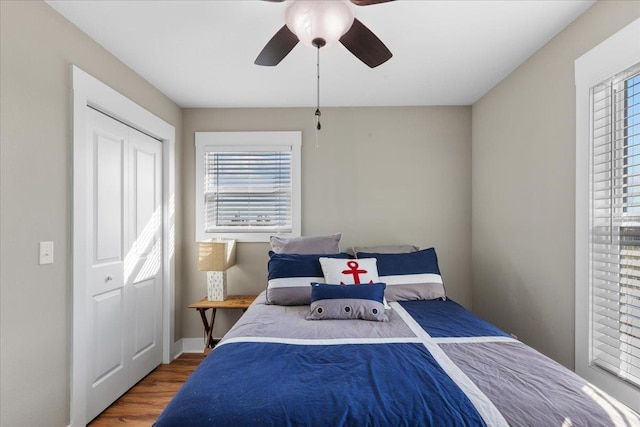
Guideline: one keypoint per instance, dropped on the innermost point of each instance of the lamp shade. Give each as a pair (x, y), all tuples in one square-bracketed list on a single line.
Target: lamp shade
[(313, 19), (217, 255)]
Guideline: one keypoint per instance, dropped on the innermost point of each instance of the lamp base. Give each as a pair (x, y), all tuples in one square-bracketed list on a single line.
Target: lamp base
[(216, 285)]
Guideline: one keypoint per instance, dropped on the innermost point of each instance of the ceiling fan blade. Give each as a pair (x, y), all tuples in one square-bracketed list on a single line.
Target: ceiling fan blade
[(277, 48), (363, 2), (365, 45)]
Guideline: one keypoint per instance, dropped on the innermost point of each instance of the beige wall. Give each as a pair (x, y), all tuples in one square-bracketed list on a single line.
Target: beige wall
[(379, 176), (37, 48), (524, 188)]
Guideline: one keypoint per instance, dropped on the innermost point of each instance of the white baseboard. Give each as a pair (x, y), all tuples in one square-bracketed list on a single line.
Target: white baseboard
[(187, 345), (192, 345)]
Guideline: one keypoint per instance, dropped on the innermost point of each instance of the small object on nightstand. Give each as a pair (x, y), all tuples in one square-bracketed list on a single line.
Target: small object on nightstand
[(233, 301), (215, 257)]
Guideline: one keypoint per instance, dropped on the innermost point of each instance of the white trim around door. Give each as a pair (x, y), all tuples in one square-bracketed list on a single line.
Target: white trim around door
[(88, 91)]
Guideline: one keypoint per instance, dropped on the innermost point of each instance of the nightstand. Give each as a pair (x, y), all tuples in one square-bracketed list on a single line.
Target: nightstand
[(233, 301)]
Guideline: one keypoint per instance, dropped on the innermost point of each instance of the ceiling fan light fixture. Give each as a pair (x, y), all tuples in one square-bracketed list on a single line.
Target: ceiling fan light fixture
[(311, 20)]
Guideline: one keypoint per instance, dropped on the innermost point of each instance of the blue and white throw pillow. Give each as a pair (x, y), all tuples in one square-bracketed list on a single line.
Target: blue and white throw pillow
[(290, 276), (330, 301), (410, 276)]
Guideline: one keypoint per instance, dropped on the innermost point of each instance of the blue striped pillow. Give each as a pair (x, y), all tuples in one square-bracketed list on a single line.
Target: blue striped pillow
[(409, 276), (290, 276)]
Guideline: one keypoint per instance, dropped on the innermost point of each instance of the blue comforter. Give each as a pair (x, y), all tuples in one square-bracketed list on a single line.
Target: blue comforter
[(292, 385), (433, 364)]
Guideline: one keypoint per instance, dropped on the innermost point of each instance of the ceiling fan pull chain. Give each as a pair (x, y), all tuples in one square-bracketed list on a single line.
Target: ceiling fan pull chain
[(318, 113), (315, 131)]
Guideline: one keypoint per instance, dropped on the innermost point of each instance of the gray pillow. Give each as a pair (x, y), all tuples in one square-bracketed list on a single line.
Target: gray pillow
[(385, 249), (317, 245)]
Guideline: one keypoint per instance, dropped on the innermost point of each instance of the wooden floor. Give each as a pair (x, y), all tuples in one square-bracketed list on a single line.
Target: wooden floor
[(144, 402)]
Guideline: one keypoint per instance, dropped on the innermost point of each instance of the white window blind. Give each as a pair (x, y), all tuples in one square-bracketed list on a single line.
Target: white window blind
[(248, 185), (248, 191), (615, 225)]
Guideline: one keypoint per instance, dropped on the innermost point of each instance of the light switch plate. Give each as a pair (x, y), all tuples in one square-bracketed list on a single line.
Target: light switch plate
[(46, 253)]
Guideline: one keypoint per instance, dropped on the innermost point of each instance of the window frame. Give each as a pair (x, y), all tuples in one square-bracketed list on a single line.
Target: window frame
[(611, 57), (246, 141)]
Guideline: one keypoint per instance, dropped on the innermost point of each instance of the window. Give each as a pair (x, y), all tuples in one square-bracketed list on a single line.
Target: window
[(608, 215), (247, 185), (615, 231)]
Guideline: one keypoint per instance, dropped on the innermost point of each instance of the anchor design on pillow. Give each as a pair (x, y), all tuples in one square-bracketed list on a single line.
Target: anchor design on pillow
[(353, 269)]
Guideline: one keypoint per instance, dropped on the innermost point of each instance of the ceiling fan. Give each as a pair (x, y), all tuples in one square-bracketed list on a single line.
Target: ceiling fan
[(320, 23)]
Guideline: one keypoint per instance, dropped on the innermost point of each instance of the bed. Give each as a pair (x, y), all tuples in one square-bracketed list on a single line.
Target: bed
[(430, 362)]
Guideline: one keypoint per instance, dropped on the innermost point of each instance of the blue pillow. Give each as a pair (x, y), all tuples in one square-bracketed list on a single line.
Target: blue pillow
[(347, 302), (410, 276), (290, 276)]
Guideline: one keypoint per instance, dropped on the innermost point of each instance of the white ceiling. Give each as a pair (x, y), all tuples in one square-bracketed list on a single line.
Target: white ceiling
[(201, 53)]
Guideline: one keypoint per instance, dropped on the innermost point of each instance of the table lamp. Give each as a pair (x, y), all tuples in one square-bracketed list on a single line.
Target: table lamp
[(215, 257)]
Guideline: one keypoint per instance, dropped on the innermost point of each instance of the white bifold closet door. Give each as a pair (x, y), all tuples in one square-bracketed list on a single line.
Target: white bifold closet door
[(124, 259)]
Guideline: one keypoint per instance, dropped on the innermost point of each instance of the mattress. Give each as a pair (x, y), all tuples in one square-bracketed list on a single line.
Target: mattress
[(433, 363)]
